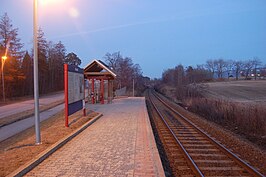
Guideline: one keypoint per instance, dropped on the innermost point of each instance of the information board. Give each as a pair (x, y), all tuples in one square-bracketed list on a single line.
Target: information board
[(75, 87), (74, 90)]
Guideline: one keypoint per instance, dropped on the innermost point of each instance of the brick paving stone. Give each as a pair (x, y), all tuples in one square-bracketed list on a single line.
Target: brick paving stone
[(120, 143)]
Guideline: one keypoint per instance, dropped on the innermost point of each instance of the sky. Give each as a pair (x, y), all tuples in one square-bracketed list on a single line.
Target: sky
[(156, 34)]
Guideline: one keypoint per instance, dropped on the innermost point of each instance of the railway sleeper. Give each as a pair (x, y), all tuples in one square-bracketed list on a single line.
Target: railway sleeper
[(215, 164), (186, 132), (195, 146), (199, 161), (197, 137), (224, 171), (203, 151), (192, 138), (192, 142), (196, 156)]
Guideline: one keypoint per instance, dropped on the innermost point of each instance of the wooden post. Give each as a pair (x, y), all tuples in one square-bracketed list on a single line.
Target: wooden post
[(109, 91), (83, 101), (92, 91), (112, 91), (102, 91), (88, 89)]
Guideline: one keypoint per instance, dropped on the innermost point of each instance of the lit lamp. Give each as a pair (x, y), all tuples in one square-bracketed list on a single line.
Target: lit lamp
[(3, 80)]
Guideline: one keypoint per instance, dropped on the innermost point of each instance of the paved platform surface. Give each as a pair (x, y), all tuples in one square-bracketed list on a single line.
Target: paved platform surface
[(120, 143)]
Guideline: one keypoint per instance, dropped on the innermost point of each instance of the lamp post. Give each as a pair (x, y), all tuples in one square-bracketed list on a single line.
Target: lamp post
[(3, 79), (35, 73)]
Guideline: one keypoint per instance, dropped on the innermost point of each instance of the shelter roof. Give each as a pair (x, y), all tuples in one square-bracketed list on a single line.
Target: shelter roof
[(98, 68)]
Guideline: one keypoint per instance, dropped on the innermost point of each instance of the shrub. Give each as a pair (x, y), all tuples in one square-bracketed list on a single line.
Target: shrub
[(248, 119)]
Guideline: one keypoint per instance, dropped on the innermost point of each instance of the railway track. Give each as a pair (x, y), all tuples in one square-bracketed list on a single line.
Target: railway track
[(190, 151)]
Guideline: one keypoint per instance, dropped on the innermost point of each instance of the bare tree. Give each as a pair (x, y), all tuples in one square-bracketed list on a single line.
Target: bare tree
[(179, 75), (125, 69), (248, 66), (210, 65), (168, 76), (229, 67), (111, 59), (256, 63), (220, 66), (237, 65)]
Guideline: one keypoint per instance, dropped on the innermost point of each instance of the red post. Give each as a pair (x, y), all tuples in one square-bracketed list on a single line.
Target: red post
[(109, 91), (66, 94), (88, 90), (92, 91), (84, 103), (102, 91)]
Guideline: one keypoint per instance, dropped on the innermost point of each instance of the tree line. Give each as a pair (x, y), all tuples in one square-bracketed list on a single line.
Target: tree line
[(182, 77), (18, 67), (236, 67), (213, 69), (127, 72)]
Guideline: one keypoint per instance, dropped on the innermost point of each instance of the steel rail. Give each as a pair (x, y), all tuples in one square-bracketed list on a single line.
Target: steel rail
[(234, 157), (187, 156)]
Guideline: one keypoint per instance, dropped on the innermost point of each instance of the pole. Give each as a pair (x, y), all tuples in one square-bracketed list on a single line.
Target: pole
[(83, 101), (66, 94), (109, 91), (3, 80), (35, 73), (133, 88), (102, 91), (92, 91)]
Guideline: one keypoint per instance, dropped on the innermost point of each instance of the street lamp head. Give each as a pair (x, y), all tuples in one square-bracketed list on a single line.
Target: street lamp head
[(4, 57)]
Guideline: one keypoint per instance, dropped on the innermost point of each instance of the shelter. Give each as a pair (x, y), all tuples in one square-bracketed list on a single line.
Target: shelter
[(98, 70)]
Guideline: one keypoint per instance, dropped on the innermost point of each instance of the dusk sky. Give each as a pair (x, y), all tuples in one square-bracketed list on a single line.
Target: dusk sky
[(156, 34)]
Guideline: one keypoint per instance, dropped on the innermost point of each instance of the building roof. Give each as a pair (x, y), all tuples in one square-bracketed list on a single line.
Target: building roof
[(98, 68)]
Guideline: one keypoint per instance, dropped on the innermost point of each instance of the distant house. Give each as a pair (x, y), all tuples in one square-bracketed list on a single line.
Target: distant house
[(261, 74)]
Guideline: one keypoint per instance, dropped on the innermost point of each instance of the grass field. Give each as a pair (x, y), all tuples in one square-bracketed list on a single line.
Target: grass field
[(239, 91)]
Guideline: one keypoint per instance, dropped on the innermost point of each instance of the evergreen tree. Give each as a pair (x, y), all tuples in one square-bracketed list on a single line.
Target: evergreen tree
[(72, 59), (27, 69), (59, 67), (12, 48), (9, 38), (56, 56), (42, 62)]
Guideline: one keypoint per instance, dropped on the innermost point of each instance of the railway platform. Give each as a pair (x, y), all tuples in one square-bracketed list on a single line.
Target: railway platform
[(121, 143)]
